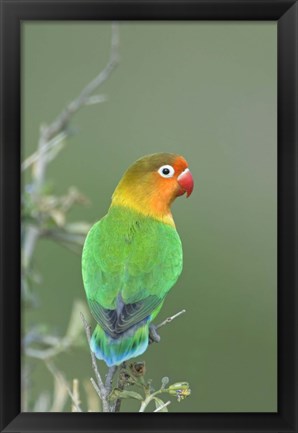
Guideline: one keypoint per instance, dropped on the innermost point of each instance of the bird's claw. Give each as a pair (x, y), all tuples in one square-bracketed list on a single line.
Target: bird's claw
[(153, 335)]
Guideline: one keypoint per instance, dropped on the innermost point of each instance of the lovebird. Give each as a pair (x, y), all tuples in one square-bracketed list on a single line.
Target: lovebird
[(132, 257)]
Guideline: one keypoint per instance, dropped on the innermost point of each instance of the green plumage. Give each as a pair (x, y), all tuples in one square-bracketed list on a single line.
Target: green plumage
[(130, 261)]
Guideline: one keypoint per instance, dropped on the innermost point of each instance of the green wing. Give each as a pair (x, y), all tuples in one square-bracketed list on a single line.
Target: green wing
[(129, 264)]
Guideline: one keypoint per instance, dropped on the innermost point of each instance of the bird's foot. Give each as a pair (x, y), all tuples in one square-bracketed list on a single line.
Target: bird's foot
[(153, 335)]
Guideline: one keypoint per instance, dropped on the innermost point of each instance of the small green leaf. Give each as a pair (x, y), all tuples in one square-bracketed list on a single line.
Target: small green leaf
[(125, 394)]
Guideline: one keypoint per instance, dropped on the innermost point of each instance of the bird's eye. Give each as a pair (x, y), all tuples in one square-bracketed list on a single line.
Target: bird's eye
[(166, 171)]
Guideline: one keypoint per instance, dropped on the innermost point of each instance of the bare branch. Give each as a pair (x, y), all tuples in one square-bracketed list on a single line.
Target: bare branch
[(93, 403), (96, 99), (31, 236), (162, 406), (170, 319), (100, 388), (52, 136), (51, 352), (109, 378), (58, 345), (62, 120), (60, 396), (76, 396), (59, 376), (32, 159), (120, 386), (96, 387), (94, 365)]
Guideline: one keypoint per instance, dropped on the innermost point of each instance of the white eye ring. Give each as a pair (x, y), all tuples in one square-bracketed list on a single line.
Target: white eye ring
[(166, 171)]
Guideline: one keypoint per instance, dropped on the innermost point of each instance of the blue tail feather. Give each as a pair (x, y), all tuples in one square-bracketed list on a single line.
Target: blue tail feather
[(128, 345)]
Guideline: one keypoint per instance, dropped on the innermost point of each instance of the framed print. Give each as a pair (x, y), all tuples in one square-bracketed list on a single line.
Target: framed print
[(118, 295)]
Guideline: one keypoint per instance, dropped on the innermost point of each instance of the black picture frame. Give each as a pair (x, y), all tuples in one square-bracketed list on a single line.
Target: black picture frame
[(285, 12)]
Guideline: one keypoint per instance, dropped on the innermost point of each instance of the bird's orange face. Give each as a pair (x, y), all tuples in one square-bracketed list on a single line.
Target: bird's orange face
[(174, 179), (152, 183)]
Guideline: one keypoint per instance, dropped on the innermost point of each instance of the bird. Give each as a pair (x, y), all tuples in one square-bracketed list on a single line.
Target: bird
[(133, 256)]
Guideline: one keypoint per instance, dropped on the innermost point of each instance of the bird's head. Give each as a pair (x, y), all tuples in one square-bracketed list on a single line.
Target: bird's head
[(152, 183)]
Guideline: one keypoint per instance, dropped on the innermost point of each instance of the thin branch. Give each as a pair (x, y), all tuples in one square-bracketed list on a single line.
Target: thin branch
[(120, 386), (100, 388), (170, 319), (96, 99), (31, 236), (94, 365), (56, 345), (93, 403), (42, 403), (109, 378), (60, 396), (33, 158), (51, 136), (96, 387), (59, 376), (46, 354), (162, 406), (64, 117), (76, 395)]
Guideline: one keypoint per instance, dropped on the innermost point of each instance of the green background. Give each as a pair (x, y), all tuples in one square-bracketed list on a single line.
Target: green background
[(206, 90)]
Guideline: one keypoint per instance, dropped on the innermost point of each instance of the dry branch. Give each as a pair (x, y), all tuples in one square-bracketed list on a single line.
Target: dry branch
[(51, 137), (98, 385)]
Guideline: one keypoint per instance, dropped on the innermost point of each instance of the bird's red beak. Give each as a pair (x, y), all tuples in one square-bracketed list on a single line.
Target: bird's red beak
[(185, 180)]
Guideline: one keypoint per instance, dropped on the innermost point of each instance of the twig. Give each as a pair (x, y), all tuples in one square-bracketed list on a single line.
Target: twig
[(96, 388), (60, 396), (96, 99), (31, 236), (151, 397), (42, 403), (109, 378), (60, 123), (46, 148), (170, 319), (58, 376), (162, 406), (76, 396), (93, 403), (56, 344), (100, 388), (109, 383), (46, 354), (94, 365), (120, 386), (49, 139)]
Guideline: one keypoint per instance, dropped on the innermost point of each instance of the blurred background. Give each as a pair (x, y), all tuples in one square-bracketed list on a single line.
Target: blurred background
[(208, 91)]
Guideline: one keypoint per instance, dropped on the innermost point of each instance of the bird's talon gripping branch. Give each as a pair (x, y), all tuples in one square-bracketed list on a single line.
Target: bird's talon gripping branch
[(154, 337)]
